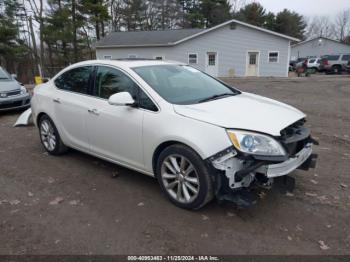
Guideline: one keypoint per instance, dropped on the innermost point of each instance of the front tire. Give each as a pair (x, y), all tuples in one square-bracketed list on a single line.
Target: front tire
[(184, 177), (50, 137)]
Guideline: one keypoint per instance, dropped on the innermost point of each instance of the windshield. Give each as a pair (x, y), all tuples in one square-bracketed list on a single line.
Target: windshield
[(4, 74), (179, 84)]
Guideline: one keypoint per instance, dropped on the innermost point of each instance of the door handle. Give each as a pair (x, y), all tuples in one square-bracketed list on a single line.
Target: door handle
[(57, 100), (93, 111)]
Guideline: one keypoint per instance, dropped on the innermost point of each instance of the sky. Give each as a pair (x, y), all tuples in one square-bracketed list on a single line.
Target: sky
[(307, 7)]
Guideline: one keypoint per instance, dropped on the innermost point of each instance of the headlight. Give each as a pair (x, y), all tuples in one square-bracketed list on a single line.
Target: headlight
[(3, 95), (23, 90), (255, 144)]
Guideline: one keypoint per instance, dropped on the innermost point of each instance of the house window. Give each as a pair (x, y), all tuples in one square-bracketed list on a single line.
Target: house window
[(212, 59), (159, 57), (273, 57), (107, 57), (192, 59), (132, 56)]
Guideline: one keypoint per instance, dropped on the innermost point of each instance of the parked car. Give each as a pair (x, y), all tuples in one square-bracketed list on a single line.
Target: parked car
[(348, 67), (198, 136), (313, 63), (297, 63), (13, 95), (334, 63)]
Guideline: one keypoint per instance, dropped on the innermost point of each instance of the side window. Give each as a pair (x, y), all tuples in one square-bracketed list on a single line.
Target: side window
[(110, 81), (75, 80), (345, 58), (146, 103)]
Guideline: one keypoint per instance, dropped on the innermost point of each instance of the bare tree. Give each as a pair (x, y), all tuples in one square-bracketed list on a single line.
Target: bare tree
[(342, 24), (38, 11), (320, 26)]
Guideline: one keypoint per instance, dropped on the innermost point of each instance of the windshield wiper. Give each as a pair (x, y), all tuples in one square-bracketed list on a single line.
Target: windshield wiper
[(214, 97)]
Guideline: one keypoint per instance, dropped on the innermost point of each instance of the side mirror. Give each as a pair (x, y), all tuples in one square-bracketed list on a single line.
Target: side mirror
[(121, 99), (14, 76)]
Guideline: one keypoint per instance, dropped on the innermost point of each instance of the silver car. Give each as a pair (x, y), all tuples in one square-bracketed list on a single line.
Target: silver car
[(13, 95)]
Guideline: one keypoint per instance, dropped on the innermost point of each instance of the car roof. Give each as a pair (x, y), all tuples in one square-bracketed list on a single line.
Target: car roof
[(129, 63)]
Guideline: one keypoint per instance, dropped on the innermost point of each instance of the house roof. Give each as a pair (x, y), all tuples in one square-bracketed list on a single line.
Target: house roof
[(169, 37), (320, 37)]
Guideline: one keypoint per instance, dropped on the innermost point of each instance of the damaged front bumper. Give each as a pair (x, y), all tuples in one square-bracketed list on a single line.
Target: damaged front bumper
[(235, 173)]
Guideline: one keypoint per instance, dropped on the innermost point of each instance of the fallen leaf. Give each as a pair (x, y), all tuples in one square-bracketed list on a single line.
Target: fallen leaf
[(56, 201), (30, 194), (313, 181), (141, 204), (343, 185), (50, 180), (289, 194), (310, 194), (14, 202), (262, 195), (229, 214), (298, 227), (328, 226), (74, 202), (290, 238), (204, 217), (115, 174), (205, 235), (323, 246)]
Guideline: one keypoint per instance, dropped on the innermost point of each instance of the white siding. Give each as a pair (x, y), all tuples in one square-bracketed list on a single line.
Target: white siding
[(231, 45), (319, 48)]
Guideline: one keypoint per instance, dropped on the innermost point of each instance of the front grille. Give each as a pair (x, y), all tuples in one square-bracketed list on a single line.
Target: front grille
[(295, 137), (11, 105), (13, 93)]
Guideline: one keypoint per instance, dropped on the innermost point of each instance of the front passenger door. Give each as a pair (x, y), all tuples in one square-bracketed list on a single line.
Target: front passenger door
[(115, 132)]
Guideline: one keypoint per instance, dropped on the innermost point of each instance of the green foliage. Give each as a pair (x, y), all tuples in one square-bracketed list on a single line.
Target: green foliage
[(11, 46), (290, 23), (285, 22), (215, 11), (253, 13)]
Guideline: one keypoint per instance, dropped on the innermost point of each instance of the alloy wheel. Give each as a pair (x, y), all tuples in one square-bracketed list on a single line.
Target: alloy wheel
[(180, 178), (48, 136)]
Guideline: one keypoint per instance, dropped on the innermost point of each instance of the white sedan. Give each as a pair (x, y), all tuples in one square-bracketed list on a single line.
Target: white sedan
[(198, 136)]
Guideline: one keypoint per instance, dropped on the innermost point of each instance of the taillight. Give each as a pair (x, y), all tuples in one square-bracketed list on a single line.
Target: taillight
[(325, 62)]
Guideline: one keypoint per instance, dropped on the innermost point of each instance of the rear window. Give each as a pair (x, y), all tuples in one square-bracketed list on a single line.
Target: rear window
[(312, 60), (346, 58)]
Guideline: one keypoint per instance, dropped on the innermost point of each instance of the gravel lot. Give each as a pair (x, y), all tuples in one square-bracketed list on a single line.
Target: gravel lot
[(72, 205)]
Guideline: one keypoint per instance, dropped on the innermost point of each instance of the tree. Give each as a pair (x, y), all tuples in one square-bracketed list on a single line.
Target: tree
[(12, 47), (215, 12), (253, 13), (320, 26), (96, 13), (342, 24), (290, 23)]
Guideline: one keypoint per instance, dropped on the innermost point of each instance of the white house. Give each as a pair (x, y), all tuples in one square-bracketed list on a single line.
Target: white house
[(233, 48), (318, 47)]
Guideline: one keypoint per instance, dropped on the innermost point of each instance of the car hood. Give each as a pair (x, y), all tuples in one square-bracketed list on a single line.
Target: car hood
[(9, 85), (245, 111)]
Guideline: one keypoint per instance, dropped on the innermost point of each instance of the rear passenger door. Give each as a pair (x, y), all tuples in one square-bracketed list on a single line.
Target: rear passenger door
[(115, 132), (71, 102)]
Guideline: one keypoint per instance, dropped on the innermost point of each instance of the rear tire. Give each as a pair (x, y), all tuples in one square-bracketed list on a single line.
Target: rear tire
[(336, 69), (50, 138), (184, 177)]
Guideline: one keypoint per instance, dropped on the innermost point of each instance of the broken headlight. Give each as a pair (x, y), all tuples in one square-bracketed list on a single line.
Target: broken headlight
[(255, 143)]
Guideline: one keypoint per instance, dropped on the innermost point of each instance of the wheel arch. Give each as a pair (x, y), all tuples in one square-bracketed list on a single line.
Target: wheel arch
[(161, 147)]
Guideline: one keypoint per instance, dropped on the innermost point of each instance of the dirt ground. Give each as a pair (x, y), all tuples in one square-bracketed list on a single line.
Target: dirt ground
[(72, 205)]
